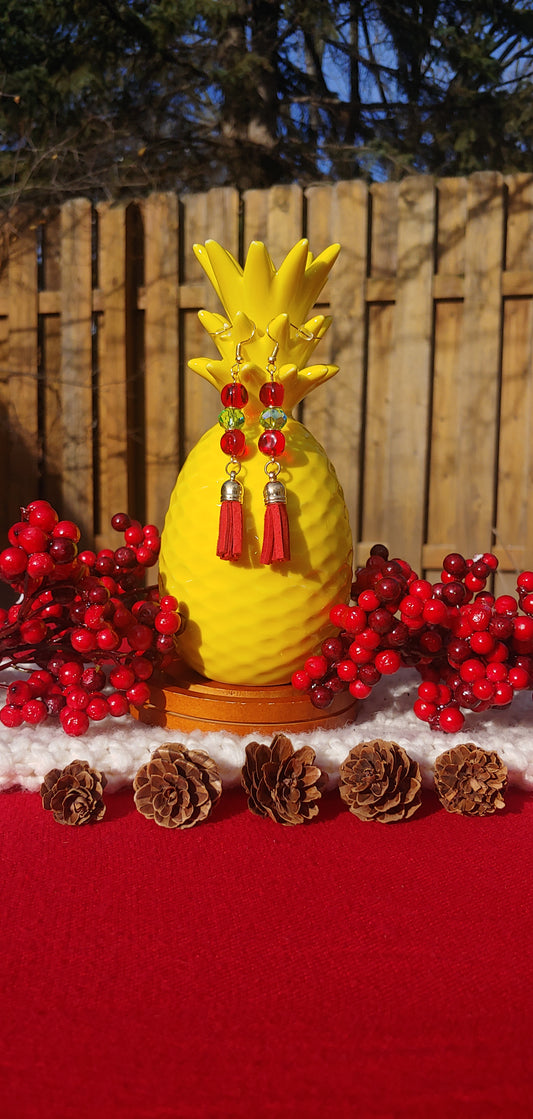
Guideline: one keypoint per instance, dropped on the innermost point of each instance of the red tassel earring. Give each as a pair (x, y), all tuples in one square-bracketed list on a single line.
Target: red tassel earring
[(276, 537), (233, 443)]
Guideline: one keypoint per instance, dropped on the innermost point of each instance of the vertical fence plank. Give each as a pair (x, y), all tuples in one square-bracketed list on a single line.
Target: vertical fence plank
[(112, 381), (402, 450), (50, 337), (380, 323), (410, 389), (333, 413), (214, 216), (161, 351), (275, 217), (479, 365), (4, 377), (446, 417), (514, 529), (24, 450), (76, 364)]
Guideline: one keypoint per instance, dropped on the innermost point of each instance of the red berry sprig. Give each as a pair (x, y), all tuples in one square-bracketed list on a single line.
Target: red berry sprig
[(84, 618), (472, 650)]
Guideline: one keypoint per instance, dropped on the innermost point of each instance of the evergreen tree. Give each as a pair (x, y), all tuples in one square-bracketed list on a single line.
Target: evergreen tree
[(119, 97)]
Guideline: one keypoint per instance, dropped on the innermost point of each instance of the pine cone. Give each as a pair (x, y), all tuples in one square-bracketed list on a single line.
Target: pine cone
[(470, 780), (282, 783), (379, 781), (178, 787), (74, 794)]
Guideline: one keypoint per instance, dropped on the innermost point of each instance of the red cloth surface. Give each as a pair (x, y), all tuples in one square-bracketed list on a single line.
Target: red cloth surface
[(245, 969)]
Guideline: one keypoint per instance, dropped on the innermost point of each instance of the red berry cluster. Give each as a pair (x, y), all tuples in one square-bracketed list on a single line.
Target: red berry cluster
[(84, 618), (472, 650)]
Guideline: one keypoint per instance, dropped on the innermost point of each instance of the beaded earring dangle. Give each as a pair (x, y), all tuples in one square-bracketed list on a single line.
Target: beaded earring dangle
[(233, 443), (276, 537)]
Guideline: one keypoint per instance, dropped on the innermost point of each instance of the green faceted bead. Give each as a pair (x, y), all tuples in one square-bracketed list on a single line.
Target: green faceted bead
[(231, 418), (273, 419)]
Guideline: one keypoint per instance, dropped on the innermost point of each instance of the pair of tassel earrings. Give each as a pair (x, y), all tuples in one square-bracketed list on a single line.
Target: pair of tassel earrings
[(271, 443)]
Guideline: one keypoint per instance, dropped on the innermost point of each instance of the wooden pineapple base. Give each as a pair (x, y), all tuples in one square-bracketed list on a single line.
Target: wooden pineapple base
[(183, 700)]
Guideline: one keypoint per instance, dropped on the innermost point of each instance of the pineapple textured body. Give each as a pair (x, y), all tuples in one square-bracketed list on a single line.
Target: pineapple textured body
[(250, 623)]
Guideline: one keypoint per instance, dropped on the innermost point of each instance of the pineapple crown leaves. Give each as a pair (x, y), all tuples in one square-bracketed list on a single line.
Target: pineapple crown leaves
[(263, 307), (260, 290)]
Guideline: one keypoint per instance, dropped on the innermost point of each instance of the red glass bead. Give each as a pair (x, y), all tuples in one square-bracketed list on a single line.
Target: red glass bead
[(271, 393), (271, 442), (234, 395), (233, 442)]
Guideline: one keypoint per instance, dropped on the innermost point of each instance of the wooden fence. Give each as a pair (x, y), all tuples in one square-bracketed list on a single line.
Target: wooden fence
[(429, 422)]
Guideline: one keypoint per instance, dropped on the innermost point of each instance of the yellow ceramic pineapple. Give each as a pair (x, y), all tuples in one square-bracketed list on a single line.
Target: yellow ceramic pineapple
[(249, 622)]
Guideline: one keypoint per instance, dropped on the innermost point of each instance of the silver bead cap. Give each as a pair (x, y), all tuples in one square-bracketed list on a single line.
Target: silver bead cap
[(231, 490), (274, 493)]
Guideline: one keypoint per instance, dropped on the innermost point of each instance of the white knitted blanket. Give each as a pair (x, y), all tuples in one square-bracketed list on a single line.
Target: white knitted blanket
[(120, 746)]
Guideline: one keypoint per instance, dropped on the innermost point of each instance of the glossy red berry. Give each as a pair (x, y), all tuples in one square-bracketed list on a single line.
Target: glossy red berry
[(316, 667), (301, 681), (435, 612), (359, 689), (107, 639), (93, 678), (347, 670), (424, 709), (518, 678), (165, 622), (13, 562), (97, 708), (320, 696), (77, 697), (63, 550), (18, 693), (388, 662), (41, 514), (83, 640), (142, 667), (523, 630), (33, 631), (118, 704), (120, 522), (34, 712), (122, 677), (451, 719), (32, 539), (74, 722), (482, 642), (506, 604), (388, 589), (472, 669), (428, 691), (66, 529), (138, 694), (503, 694), (40, 564), (11, 715), (168, 602), (455, 564), (368, 601)]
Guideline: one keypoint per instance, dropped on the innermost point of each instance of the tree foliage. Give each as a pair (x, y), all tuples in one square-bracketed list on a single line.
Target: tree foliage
[(118, 97)]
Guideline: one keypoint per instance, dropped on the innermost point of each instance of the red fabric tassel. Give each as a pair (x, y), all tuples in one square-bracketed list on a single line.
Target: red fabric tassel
[(276, 540), (229, 545)]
